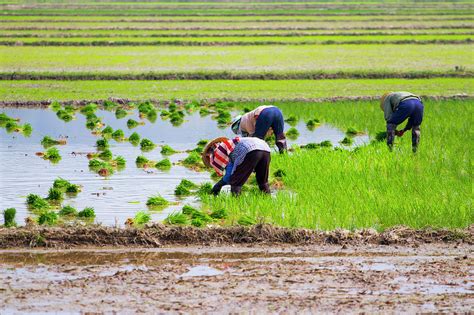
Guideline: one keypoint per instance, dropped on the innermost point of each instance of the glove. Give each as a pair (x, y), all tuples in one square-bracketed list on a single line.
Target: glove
[(217, 187), (399, 133)]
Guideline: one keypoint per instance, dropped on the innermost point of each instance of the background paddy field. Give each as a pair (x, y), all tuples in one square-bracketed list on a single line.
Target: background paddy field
[(293, 54)]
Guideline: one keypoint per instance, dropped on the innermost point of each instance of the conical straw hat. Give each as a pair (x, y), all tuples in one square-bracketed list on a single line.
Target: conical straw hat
[(208, 147)]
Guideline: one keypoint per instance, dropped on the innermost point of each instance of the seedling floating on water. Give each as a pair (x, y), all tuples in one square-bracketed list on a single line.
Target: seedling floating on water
[(157, 202), (312, 123), (134, 139), (120, 113), (107, 132), (48, 218), (184, 188), (193, 160), (176, 119), (118, 135), (352, 132), (147, 144), (64, 115), (102, 144), (323, 144), (167, 150), (292, 133), (67, 211), (291, 120), (152, 115), (55, 195), (141, 218), (9, 217), (87, 213), (35, 202), (109, 105), (164, 114), (132, 123), (347, 141), (145, 107), (163, 165), (49, 142), (105, 155), (66, 186), (52, 154), (88, 109)]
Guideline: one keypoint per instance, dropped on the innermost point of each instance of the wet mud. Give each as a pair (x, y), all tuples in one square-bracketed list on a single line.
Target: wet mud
[(258, 279)]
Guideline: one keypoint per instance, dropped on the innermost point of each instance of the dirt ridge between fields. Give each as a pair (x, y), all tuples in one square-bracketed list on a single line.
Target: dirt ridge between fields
[(156, 235)]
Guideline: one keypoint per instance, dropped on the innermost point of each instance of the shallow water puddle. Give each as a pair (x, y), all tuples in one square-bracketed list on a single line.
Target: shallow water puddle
[(125, 192), (201, 271)]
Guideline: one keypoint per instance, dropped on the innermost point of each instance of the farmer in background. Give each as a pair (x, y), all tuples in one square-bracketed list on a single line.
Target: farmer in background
[(238, 158), (258, 122), (398, 106)]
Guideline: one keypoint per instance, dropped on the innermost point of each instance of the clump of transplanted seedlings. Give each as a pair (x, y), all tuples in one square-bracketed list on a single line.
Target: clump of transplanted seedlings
[(105, 155), (86, 213), (351, 132), (292, 133), (55, 195), (141, 218), (52, 154), (177, 218), (312, 123), (65, 115), (120, 113), (67, 211), (163, 165), (35, 202), (167, 150), (119, 162), (200, 146), (177, 118), (102, 144), (11, 125), (204, 189), (144, 108), (157, 202), (291, 120), (219, 214), (347, 141), (47, 218), (194, 161), (88, 109), (204, 111), (134, 139), (118, 135), (279, 173), (246, 220), (147, 145), (164, 114), (93, 122), (184, 188), (152, 115), (132, 123), (55, 106), (47, 142), (109, 105), (65, 186), (9, 217), (107, 132), (142, 162), (223, 117), (323, 144)]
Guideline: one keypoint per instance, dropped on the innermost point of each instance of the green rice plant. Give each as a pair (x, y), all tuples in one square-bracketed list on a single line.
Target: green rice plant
[(193, 160), (35, 202), (12, 126), (70, 109), (105, 155), (223, 116), (219, 214), (147, 145), (164, 114), (64, 115), (26, 129), (202, 143), (47, 218), (145, 107), (205, 189), (172, 107), (177, 218), (55, 106), (97, 164), (291, 120), (163, 165), (91, 116), (109, 105), (322, 144), (88, 109), (118, 135), (152, 115), (292, 133), (132, 123), (279, 173), (141, 160), (93, 123), (246, 220), (67, 211), (134, 139), (141, 218), (312, 124), (9, 217), (182, 190), (120, 113), (52, 154), (119, 162), (73, 189), (102, 144), (188, 184), (167, 150), (188, 210), (55, 195), (107, 132), (48, 142), (62, 184), (86, 213), (347, 141), (198, 222), (157, 201), (176, 119), (204, 111), (352, 132)]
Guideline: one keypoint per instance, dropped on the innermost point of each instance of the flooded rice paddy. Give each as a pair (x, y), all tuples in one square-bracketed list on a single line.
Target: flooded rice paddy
[(121, 195)]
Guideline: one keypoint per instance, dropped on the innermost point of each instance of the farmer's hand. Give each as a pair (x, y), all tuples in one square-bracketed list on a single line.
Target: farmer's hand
[(399, 133)]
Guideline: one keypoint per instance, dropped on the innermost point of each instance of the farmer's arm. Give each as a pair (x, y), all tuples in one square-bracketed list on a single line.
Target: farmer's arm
[(224, 180)]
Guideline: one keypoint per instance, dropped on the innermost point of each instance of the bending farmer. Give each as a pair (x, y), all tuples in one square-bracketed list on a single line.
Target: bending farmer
[(398, 106), (258, 122), (239, 157)]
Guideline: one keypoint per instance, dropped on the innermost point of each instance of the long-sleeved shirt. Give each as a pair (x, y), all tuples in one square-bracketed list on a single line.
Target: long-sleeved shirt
[(248, 120), (392, 101)]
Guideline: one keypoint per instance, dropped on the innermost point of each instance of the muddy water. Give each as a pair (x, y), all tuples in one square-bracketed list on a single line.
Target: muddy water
[(124, 193), (432, 277)]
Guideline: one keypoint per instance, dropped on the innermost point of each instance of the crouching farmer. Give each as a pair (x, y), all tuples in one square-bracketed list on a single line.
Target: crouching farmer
[(238, 158), (398, 106), (258, 122)]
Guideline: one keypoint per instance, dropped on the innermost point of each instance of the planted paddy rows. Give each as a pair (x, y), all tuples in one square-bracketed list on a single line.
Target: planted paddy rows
[(57, 206)]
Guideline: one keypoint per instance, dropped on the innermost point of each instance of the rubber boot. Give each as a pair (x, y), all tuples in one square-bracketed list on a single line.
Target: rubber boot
[(265, 188), (415, 138), (217, 187), (236, 190), (391, 135), (281, 143)]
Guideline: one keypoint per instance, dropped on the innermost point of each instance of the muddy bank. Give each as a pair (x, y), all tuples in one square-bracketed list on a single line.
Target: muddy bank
[(122, 101), (157, 235), (233, 279)]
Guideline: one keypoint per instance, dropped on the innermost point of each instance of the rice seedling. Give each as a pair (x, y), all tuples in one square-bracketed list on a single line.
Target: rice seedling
[(120, 113), (163, 165), (118, 135), (73, 189), (322, 144), (157, 202), (172, 107), (205, 189), (55, 195), (292, 133), (47, 218), (188, 210), (176, 119), (312, 124), (177, 218), (132, 123), (223, 117), (147, 145), (181, 190), (47, 142), (55, 106), (193, 160), (26, 129), (102, 144), (96, 164), (279, 173), (9, 217), (167, 150), (353, 132), (64, 115), (152, 115), (52, 154), (204, 111), (188, 184), (65, 186), (86, 213), (12, 126), (141, 218), (141, 160), (219, 214), (88, 109), (93, 123), (134, 139), (119, 162), (109, 105), (105, 155), (107, 132), (246, 220), (67, 211), (291, 120), (70, 109), (145, 107), (164, 114), (347, 141), (35, 202)]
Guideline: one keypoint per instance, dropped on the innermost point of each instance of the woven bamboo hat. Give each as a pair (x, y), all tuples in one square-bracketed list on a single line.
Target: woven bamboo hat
[(382, 99), (207, 149)]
